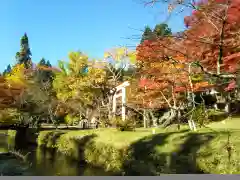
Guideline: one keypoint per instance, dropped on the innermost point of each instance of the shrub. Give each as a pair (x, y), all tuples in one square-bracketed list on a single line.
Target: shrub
[(127, 125), (71, 120), (104, 122), (200, 115), (216, 115)]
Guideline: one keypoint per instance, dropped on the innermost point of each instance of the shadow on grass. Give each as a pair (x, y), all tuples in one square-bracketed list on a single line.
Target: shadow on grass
[(147, 161), (183, 161), (144, 158)]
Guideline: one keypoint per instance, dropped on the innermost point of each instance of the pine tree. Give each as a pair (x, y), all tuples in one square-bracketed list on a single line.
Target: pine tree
[(48, 64), (7, 70), (42, 62), (24, 55), (161, 30), (147, 34), (45, 75)]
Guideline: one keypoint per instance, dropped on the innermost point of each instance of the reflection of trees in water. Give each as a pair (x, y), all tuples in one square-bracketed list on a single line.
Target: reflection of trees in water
[(49, 162), (11, 166), (10, 143), (41, 162)]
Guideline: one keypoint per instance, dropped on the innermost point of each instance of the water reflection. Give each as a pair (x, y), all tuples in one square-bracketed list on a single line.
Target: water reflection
[(41, 162)]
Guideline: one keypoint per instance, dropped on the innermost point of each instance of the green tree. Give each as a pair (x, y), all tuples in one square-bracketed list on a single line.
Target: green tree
[(44, 74), (7, 70), (147, 34), (24, 55), (161, 30), (48, 64)]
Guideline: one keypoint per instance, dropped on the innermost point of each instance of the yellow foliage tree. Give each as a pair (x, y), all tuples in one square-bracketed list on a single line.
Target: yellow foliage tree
[(17, 76), (121, 54), (78, 80)]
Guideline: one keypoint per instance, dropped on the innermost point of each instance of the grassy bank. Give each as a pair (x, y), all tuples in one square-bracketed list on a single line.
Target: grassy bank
[(215, 149)]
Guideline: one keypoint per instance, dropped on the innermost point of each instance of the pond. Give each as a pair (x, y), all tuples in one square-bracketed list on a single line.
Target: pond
[(40, 162)]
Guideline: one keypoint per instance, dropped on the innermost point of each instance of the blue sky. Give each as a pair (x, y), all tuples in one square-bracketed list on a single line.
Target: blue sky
[(56, 27)]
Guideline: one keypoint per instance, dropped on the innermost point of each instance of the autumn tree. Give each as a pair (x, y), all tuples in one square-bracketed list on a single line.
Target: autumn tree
[(78, 84), (210, 44), (213, 39), (162, 81), (211, 35)]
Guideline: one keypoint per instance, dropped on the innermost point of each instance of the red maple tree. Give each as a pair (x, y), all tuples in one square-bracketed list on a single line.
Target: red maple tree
[(211, 40)]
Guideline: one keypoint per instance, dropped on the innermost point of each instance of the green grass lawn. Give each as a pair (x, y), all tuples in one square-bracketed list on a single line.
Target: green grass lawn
[(213, 149)]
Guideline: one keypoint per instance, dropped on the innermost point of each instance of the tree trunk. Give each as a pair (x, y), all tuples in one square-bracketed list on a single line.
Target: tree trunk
[(154, 119), (168, 117), (145, 118), (227, 107), (194, 125), (190, 124), (171, 118), (178, 119)]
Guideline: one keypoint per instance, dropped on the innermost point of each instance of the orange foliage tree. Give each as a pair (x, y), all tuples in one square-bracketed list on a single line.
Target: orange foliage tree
[(166, 79), (213, 41), (204, 56)]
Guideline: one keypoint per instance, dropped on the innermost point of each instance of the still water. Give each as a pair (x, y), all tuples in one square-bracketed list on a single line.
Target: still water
[(40, 162)]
